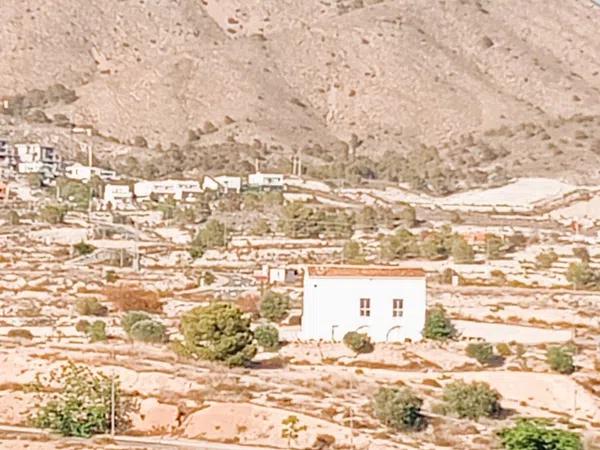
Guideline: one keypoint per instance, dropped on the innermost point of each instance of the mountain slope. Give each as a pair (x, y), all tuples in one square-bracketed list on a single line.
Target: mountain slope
[(289, 75)]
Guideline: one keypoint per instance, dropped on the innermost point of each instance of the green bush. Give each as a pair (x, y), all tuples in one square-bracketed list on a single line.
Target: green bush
[(111, 276), (482, 352), (399, 409), (274, 306), (267, 336), (582, 276), (130, 319), (560, 359), (90, 307), (545, 259), (81, 406), (53, 214), (503, 349), (352, 253), (529, 434), (83, 248), (462, 252), (471, 401), (358, 342), (213, 235), (438, 326), (149, 331), (402, 244), (97, 331), (218, 332)]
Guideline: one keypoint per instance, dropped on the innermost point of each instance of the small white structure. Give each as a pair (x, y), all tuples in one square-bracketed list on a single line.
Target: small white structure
[(387, 303), (85, 173), (222, 183), (186, 190), (118, 195), (266, 180)]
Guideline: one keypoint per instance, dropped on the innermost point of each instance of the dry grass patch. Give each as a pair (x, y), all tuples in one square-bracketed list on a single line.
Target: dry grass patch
[(134, 298)]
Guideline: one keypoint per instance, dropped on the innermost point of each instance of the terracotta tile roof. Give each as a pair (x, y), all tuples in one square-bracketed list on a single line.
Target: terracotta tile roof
[(365, 271)]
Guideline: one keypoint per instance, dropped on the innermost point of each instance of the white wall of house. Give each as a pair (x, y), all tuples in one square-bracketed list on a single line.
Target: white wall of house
[(230, 183), (210, 184), (174, 188), (332, 305), (78, 172), (266, 180), (118, 195)]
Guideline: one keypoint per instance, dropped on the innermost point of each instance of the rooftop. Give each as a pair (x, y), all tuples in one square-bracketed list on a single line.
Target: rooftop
[(365, 272)]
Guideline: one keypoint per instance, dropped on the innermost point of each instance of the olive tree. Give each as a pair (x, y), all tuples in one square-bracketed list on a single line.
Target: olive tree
[(399, 409), (218, 332)]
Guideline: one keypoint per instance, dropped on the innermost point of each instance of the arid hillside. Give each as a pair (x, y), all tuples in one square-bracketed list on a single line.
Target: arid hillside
[(371, 75)]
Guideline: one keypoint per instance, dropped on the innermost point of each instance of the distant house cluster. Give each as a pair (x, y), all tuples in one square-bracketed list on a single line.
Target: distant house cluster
[(34, 158), (120, 195)]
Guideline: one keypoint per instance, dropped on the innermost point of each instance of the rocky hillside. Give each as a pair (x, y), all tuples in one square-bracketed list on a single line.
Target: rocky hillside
[(371, 75)]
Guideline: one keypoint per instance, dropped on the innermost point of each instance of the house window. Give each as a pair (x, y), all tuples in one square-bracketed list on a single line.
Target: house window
[(397, 307), (365, 307)]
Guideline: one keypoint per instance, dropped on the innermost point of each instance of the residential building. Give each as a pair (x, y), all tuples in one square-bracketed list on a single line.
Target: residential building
[(385, 302), (180, 190), (117, 196), (32, 158), (3, 190), (222, 183), (7, 158), (85, 173), (266, 181)]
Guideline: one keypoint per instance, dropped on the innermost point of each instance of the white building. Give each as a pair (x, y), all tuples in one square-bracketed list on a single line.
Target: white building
[(387, 303), (266, 180), (187, 190), (32, 158), (117, 195), (85, 173), (222, 183)]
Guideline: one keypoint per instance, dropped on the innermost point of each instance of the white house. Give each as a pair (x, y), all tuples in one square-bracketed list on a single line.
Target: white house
[(222, 183), (177, 189), (387, 303), (118, 195), (84, 173), (266, 180)]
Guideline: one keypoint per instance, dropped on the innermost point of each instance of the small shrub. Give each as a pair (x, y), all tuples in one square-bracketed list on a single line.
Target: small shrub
[(83, 248), (97, 331), (19, 333), (545, 259), (358, 342), (207, 278), (481, 351), (560, 359), (399, 409), (471, 401), (111, 276), (538, 435), (90, 307), (131, 318), (274, 306), (81, 405), (149, 331), (267, 336), (438, 325), (82, 326), (503, 349)]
